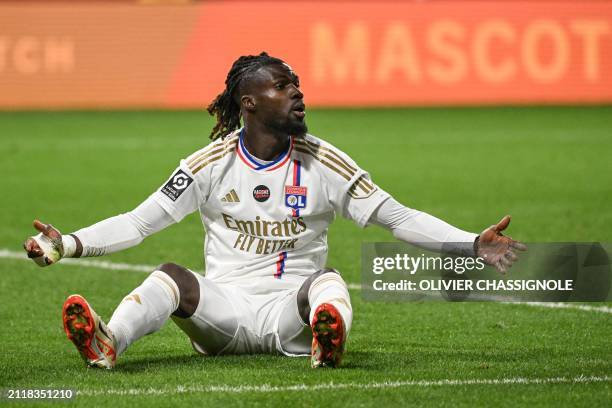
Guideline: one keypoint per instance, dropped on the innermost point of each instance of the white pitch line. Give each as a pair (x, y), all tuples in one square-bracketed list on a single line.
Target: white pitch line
[(558, 305), (266, 388), (118, 266), (114, 266)]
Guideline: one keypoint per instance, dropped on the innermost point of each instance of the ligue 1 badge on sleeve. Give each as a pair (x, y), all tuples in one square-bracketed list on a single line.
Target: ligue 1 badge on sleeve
[(295, 197), (176, 185)]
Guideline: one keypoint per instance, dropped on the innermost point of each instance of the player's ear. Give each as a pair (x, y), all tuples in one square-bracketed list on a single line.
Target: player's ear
[(248, 102)]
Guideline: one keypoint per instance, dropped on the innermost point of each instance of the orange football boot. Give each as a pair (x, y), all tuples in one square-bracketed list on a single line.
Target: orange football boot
[(88, 332), (328, 337)]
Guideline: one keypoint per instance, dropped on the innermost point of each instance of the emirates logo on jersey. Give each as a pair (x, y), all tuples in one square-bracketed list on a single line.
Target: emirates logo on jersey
[(259, 235), (261, 193)]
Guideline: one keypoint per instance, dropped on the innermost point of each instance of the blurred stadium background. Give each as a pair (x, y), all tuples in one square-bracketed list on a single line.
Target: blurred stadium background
[(175, 54), (465, 109)]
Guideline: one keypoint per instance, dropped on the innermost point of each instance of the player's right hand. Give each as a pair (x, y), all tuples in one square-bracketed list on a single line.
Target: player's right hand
[(45, 248)]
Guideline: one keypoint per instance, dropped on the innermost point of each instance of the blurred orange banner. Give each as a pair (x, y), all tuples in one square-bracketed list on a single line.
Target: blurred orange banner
[(368, 53)]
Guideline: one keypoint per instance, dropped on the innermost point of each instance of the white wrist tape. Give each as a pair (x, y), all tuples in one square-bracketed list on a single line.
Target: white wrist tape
[(52, 251)]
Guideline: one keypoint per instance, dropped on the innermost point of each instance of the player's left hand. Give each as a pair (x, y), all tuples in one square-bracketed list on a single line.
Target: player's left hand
[(496, 249)]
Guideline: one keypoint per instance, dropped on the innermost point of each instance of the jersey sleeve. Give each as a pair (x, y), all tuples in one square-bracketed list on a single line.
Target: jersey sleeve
[(350, 188), (361, 199), (181, 194)]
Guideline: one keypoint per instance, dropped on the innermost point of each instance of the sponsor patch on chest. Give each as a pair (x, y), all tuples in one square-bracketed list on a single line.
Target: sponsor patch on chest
[(261, 193)]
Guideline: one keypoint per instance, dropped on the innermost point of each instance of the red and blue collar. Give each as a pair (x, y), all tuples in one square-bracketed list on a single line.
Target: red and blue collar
[(253, 163)]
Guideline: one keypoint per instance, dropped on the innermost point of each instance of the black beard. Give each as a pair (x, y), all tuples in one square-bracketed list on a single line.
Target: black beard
[(293, 128)]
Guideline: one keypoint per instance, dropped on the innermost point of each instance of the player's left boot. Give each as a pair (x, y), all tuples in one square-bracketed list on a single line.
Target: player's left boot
[(328, 337), (87, 331)]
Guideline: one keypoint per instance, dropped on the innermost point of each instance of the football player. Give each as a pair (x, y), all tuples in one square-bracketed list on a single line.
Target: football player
[(266, 192)]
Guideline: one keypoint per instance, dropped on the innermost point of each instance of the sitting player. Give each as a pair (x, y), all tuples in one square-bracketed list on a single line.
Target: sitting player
[(266, 193)]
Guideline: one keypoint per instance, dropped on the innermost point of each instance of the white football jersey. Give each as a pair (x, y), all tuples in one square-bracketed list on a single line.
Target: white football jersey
[(266, 223)]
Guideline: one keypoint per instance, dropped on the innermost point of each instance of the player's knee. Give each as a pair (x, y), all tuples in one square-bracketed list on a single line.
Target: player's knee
[(189, 288), (302, 296)]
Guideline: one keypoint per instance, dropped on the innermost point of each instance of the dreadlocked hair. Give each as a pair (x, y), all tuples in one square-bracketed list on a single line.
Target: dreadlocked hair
[(226, 106)]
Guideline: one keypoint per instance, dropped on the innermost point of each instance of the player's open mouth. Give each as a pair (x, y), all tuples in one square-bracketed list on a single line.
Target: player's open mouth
[(300, 110)]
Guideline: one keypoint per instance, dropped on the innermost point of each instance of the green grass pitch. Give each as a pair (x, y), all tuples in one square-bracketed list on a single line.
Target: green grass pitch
[(549, 167)]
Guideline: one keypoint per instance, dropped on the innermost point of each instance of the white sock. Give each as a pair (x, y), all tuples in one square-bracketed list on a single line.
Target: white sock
[(330, 288), (144, 310)]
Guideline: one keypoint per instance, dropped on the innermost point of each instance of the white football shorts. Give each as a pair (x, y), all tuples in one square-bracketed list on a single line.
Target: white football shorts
[(228, 320)]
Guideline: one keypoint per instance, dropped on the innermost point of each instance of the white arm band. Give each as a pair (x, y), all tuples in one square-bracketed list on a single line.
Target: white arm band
[(117, 233), (421, 229)]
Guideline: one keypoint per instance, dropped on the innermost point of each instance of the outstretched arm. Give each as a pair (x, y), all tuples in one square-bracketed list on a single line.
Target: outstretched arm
[(421, 229), (111, 235), (426, 231)]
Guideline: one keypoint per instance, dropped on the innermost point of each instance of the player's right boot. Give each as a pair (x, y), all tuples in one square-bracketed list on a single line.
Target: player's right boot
[(328, 337), (88, 332)]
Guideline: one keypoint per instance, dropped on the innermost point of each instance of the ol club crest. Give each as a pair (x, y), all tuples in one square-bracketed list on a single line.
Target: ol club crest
[(295, 196)]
